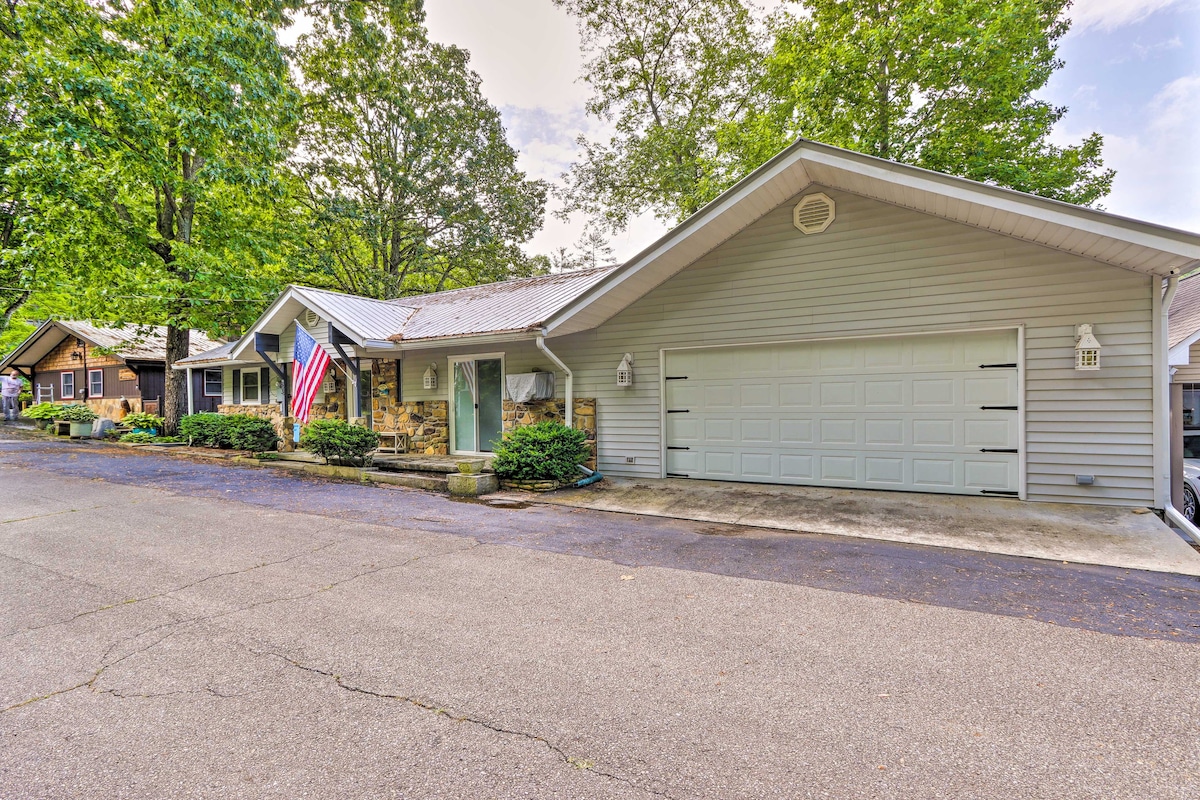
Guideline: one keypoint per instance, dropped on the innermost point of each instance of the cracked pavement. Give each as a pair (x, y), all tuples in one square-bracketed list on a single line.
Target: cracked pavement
[(171, 629)]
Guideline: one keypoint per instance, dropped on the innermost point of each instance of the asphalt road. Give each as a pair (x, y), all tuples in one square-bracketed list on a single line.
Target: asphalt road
[(172, 628)]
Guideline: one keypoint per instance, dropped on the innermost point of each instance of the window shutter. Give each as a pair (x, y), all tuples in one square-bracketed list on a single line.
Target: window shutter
[(237, 387), (264, 383)]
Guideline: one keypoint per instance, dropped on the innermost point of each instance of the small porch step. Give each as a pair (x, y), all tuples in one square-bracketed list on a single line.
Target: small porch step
[(430, 481), (441, 465)]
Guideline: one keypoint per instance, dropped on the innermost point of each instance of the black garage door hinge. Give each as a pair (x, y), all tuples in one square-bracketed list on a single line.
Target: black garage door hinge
[(998, 408), (1000, 492), (676, 475), (997, 366), (677, 447), (678, 410), (997, 450), (676, 378)]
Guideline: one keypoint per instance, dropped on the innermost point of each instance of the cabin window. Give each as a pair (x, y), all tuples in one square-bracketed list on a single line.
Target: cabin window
[(95, 383), (250, 386), (212, 383), (68, 385)]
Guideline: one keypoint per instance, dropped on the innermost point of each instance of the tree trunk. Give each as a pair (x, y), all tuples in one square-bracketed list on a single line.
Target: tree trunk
[(175, 394)]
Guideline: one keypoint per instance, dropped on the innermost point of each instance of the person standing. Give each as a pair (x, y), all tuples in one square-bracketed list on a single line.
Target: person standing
[(10, 390)]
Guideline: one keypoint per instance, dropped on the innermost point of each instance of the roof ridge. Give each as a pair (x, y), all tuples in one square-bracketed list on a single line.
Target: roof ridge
[(509, 282)]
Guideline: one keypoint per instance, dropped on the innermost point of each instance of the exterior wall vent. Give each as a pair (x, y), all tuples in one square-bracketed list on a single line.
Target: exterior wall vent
[(311, 318), (814, 213)]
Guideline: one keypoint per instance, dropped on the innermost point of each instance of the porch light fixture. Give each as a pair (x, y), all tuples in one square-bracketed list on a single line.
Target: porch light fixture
[(430, 379), (1087, 349), (625, 371)]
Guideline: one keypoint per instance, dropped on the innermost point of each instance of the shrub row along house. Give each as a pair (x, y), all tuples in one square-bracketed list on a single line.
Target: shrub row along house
[(69, 361)]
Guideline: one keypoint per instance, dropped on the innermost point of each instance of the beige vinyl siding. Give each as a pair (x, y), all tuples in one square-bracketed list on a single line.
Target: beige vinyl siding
[(881, 269), (518, 357)]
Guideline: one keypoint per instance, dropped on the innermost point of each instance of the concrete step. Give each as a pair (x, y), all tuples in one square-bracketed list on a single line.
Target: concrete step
[(413, 480), (429, 464)]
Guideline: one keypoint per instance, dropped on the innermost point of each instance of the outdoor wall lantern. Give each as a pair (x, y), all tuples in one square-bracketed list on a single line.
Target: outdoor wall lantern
[(625, 371), (1087, 349), (430, 380)]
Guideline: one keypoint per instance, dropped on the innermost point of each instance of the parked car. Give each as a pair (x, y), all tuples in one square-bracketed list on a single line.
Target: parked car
[(1191, 475)]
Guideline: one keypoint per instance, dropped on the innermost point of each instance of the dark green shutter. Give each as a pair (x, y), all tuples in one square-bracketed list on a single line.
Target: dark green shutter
[(237, 387), (264, 385)]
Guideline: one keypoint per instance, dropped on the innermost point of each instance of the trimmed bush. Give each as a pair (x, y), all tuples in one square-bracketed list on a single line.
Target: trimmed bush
[(250, 433), (137, 438), (205, 429), (334, 438), (75, 413), (547, 450), (239, 431)]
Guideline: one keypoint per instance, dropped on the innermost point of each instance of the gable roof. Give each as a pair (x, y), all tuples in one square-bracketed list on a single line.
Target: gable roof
[(1086, 232), (1183, 320), (129, 342)]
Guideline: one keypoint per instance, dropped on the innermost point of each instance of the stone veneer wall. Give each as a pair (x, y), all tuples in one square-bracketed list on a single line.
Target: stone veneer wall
[(427, 422), (110, 407), (584, 418)]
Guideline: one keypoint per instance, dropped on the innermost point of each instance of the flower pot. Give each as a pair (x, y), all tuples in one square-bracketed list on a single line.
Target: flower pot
[(81, 429), (151, 431)]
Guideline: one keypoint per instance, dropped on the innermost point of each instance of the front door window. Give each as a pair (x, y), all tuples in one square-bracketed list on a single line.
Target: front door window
[(478, 394)]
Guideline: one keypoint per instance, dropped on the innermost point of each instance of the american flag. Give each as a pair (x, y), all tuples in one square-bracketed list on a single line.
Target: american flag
[(309, 362)]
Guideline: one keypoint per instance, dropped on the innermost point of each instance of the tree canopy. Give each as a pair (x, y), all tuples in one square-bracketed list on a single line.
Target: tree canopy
[(409, 181)]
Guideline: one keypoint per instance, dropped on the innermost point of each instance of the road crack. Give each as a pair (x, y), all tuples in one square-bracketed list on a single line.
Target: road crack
[(444, 711)]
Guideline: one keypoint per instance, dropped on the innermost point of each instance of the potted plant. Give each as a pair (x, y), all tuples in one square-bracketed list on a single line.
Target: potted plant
[(80, 417), (143, 422), (41, 414)]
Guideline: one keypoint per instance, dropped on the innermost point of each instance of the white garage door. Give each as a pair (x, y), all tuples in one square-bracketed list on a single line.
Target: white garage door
[(931, 413)]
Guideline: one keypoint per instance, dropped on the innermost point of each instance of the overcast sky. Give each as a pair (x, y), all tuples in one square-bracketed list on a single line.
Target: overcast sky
[(1132, 73)]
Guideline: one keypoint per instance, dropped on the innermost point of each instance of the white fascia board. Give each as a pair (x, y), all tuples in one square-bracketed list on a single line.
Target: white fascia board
[(1180, 354), (14, 357), (1055, 212), (476, 340), (270, 316), (788, 160)]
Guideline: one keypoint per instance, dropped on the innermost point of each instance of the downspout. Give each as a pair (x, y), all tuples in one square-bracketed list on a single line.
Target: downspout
[(570, 391), (191, 401), (1162, 410)]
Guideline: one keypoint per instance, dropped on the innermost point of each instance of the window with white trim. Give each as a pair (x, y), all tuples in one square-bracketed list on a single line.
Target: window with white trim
[(213, 383), (95, 383), (67, 381), (250, 386)]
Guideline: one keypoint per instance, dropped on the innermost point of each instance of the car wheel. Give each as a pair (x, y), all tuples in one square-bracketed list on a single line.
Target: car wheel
[(1189, 503)]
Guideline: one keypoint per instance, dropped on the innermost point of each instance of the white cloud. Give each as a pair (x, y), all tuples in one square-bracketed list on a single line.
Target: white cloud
[(1158, 172), (1111, 14)]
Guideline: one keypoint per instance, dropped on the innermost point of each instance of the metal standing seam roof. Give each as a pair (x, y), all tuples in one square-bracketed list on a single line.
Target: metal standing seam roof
[(518, 305), (135, 342), (216, 354), (1183, 320), (369, 318)]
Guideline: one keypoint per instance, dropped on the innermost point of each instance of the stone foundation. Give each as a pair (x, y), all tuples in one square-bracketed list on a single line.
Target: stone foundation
[(517, 415), (427, 422)]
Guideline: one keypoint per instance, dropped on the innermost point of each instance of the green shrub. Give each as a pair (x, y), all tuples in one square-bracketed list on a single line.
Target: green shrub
[(206, 429), (335, 438), (239, 431), (141, 419), (544, 451), (75, 413), (41, 411), (245, 432), (137, 438)]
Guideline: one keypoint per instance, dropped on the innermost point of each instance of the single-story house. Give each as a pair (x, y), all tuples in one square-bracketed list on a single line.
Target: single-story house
[(834, 319), (71, 361)]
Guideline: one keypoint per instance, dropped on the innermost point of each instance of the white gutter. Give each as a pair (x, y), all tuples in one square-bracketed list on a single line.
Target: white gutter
[(1162, 409), (570, 392), (191, 401)]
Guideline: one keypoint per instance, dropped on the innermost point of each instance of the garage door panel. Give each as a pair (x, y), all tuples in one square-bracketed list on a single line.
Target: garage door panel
[(898, 413)]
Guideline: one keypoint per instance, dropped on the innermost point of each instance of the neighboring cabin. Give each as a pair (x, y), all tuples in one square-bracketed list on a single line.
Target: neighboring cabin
[(833, 319), (69, 361)]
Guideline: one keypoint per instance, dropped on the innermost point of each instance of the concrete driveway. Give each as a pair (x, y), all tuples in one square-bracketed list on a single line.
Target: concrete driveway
[(171, 629)]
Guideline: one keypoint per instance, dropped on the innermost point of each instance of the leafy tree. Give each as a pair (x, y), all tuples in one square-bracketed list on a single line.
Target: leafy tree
[(943, 84), (153, 133), (666, 74), (409, 181)]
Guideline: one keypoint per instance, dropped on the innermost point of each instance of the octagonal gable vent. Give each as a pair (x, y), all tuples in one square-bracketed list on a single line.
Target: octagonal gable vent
[(311, 318), (814, 213)]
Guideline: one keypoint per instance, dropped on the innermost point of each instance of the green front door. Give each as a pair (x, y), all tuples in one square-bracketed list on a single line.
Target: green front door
[(478, 405)]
